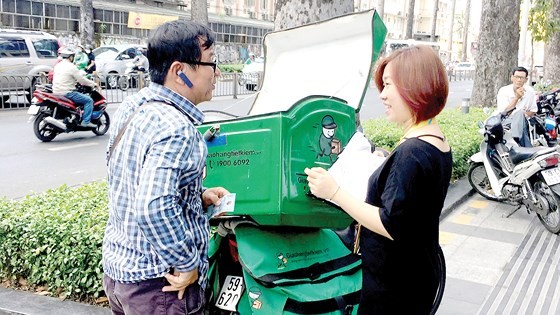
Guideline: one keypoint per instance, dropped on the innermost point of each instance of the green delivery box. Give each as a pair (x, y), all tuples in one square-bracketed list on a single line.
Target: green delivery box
[(303, 116)]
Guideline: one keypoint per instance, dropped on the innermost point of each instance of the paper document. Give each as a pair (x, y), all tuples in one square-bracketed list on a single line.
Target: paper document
[(355, 165)]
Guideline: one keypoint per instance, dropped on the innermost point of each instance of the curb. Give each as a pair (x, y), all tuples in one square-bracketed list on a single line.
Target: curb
[(457, 193)]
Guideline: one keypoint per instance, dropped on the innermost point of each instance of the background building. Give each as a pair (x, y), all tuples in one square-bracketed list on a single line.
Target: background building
[(240, 25)]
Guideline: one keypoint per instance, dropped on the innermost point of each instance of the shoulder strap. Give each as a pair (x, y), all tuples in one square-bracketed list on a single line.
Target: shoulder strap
[(429, 135), (123, 129)]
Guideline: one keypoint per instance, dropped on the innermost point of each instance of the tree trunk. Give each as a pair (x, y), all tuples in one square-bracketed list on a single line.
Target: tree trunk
[(434, 21), (291, 13), (450, 44), (199, 11), (466, 29), (381, 9), (497, 49), (410, 19), (552, 49), (86, 22)]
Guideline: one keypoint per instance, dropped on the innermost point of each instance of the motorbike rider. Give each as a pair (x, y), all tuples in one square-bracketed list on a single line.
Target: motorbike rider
[(90, 68), (519, 103), (251, 59), (141, 62), (65, 77), (81, 59)]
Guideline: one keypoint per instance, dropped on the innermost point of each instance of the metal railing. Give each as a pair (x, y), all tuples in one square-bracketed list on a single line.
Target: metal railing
[(16, 90), (460, 75)]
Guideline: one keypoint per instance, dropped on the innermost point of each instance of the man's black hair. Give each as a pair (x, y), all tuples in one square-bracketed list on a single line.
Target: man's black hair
[(176, 41), (522, 69)]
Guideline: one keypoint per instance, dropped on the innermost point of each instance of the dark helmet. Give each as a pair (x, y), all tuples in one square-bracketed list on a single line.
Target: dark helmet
[(494, 130)]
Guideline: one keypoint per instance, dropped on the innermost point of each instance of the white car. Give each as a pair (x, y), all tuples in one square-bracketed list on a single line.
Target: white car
[(465, 66), (24, 55), (251, 73), (111, 61)]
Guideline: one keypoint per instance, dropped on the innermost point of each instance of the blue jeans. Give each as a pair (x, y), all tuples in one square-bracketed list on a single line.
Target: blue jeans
[(85, 100)]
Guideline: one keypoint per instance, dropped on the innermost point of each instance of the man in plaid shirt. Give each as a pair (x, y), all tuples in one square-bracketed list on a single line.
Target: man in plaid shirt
[(156, 239)]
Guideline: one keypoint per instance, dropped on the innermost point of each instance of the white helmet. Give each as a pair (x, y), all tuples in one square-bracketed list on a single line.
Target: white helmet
[(66, 53)]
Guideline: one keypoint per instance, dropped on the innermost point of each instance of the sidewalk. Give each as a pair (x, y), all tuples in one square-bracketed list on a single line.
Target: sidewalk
[(498, 264), (495, 264)]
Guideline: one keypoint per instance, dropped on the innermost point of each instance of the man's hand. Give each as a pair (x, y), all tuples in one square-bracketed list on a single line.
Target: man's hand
[(180, 281), (212, 196), (519, 93)]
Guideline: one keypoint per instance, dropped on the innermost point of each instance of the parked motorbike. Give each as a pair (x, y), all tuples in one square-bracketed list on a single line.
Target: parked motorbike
[(286, 270), (544, 126), (133, 77), (530, 177), (55, 114)]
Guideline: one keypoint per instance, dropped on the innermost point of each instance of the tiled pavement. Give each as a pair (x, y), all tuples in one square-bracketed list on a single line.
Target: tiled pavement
[(498, 264)]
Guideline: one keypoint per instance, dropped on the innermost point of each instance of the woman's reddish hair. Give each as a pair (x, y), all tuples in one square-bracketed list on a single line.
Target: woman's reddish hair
[(420, 78)]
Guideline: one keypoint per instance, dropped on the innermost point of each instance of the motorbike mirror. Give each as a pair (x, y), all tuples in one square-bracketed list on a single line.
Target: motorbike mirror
[(480, 124)]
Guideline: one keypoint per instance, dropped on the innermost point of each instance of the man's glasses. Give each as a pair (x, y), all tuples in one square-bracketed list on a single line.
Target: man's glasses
[(213, 64), (519, 78)]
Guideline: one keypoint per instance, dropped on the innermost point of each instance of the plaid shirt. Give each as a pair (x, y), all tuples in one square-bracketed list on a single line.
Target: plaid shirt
[(156, 221)]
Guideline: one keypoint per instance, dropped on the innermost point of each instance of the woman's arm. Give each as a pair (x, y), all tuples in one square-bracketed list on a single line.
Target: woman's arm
[(324, 186)]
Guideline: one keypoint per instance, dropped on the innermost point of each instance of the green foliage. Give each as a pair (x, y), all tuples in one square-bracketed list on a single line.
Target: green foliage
[(460, 129), (545, 87), (228, 68), (541, 24), (54, 239)]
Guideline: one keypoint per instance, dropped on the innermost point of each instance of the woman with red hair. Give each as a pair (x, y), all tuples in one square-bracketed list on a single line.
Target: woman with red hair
[(400, 216)]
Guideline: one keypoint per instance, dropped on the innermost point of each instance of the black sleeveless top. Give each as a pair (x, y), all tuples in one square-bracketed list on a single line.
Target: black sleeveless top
[(399, 276)]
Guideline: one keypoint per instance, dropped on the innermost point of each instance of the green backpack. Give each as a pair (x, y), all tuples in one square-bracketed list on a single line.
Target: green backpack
[(288, 271)]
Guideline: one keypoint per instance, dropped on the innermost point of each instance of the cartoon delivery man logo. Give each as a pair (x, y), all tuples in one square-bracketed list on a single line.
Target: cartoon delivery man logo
[(328, 145), (282, 261)]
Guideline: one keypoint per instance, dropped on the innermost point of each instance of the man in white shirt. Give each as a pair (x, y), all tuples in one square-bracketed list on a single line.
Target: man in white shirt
[(66, 74), (518, 102)]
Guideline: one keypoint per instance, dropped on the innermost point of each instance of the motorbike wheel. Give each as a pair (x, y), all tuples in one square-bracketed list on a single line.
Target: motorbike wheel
[(551, 220), (43, 131), (479, 181), (123, 83), (442, 278), (102, 124)]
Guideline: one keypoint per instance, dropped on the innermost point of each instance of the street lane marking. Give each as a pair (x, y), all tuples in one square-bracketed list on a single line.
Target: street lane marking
[(462, 219), (478, 204), (446, 238), (75, 146)]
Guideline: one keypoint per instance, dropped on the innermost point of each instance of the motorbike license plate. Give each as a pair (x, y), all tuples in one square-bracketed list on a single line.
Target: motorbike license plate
[(231, 291), (33, 110), (551, 176)]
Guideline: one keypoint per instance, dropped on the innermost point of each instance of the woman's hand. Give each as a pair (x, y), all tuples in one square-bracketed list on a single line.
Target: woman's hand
[(321, 182)]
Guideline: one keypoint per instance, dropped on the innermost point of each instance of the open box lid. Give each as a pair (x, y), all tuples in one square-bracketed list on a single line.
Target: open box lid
[(330, 58)]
